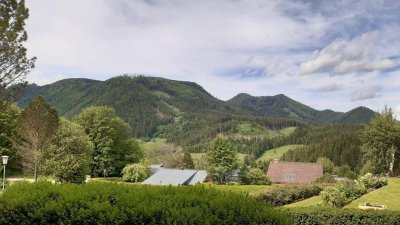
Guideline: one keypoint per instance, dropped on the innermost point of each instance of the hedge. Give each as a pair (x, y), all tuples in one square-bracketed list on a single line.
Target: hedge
[(111, 203), (286, 194), (325, 216)]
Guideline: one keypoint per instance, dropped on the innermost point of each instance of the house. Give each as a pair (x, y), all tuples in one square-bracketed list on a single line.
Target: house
[(175, 177), (294, 172)]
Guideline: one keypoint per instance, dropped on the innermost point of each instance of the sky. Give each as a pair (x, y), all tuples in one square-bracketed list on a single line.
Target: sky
[(326, 54)]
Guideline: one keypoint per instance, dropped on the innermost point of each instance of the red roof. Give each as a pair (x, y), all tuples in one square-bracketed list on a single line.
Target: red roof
[(294, 172)]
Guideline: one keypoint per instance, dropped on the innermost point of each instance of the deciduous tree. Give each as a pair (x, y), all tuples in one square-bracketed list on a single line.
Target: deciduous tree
[(223, 160), (69, 153), (36, 125)]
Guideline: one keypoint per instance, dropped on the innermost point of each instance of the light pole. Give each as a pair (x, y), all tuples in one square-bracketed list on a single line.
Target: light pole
[(5, 160)]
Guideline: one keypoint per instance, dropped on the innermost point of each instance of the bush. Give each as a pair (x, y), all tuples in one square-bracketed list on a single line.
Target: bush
[(254, 176), (326, 178), (110, 203), (287, 194), (372, 182), (342, 194), (136, 172), (318, 215)]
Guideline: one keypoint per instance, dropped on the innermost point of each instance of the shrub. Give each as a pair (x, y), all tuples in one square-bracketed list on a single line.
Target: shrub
[(110, 203), (286, 194), (319, 216), (135, 172), (326, 178), (342, 194), (372, 182), (254, 176)]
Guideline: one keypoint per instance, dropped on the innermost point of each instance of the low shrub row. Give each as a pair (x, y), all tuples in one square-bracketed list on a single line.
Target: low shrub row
[(316, 216), (286, 194), (111, 203)]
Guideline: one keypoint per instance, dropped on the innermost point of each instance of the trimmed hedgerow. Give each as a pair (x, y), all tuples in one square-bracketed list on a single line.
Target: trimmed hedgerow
[(286, 194), (110, 203), (317, 216)]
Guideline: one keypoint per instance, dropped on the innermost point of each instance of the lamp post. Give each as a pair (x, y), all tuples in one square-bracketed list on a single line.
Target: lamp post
[(5, 160)]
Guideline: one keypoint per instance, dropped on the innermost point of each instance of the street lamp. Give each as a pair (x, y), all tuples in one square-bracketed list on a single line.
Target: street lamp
[(5, 160)]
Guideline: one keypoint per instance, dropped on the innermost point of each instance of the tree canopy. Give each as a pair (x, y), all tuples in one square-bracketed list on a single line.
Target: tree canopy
[(222, 159)]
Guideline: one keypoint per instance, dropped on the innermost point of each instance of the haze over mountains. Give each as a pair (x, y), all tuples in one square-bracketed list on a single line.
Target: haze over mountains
[(148, 102)]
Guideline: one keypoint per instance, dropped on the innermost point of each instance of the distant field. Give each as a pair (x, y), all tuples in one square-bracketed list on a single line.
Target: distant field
[(154, 144), (288, 130), (276, 153), (313, 201), (251, 190), (388, 196)]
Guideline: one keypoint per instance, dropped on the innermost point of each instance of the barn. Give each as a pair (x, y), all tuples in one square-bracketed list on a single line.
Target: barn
[(294, 172)]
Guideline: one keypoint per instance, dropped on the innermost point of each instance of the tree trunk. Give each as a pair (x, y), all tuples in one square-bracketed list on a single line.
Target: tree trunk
[(35, 174), (392, 151)]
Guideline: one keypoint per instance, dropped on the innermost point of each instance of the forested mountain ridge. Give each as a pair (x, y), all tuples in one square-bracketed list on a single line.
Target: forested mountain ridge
[(149, 104), (283, 106)]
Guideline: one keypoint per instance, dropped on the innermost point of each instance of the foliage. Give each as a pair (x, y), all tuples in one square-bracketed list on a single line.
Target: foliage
[(381, 138), (9, 115), (110, 135), (136, 172), (319, 216), (277, 153), (253, 176), (342, 194), (344, 171), (108, 203), (327, 164), (370, 181), (14, 64), (326, 178), (223, 160), (187, 160), (69, 154), (36, 125), (287, 194), (341, 144)]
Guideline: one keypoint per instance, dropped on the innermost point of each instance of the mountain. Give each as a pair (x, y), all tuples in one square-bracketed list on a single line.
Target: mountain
[(178, 108), (143, 102), (283, 106)]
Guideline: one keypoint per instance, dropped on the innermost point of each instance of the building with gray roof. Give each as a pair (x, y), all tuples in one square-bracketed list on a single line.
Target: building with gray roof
[(175, 177)]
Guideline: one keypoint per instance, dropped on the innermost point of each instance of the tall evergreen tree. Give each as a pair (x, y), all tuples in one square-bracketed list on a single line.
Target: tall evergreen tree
[(36, 125), (222, 159)]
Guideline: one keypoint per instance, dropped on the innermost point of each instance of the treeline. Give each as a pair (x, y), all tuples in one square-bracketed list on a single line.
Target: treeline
[(339, 143)]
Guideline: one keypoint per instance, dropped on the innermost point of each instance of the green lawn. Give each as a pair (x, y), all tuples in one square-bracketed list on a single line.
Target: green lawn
[(388, 196), (252, 190), (313, 201), (276, 153), (154, 144)]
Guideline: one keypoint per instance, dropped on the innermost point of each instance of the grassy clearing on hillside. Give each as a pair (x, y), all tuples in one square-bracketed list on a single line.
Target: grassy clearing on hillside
[(313, 201), (388, 196), (154, 144), (288, 130), (199, 158), (276, 153)]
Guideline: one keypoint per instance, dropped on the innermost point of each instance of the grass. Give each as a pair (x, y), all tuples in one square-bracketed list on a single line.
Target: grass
[(388, 196), (276, 153), (313, 201), (251, 190), (154, 144), (287, 131), (198, 157)]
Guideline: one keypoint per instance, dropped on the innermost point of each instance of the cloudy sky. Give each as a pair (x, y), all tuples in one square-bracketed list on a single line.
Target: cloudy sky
[(326, 54)]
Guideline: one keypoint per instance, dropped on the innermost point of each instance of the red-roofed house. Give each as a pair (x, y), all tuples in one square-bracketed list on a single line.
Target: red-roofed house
[(294, 172)]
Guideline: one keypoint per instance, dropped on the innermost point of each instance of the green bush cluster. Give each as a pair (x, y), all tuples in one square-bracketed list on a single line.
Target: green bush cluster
[(287, 194), (342, 194), (372, 182), (136, 172), (317, 216), (253, 176), (110, 203)]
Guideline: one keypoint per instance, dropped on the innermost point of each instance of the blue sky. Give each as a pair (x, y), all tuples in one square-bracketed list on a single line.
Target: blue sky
[(326, 54)]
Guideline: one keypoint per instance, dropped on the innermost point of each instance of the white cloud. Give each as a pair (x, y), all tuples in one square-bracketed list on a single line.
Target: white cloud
[(330, 88), (366, 93), (343, 57)]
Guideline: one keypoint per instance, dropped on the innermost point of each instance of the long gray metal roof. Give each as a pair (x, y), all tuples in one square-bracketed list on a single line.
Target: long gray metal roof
[(176, 177)]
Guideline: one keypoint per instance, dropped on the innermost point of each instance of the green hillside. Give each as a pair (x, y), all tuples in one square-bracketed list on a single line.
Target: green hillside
[(283, 106), (276, 153)]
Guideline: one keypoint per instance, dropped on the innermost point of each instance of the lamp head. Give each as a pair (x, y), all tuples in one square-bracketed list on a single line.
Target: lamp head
[(5, 159)]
